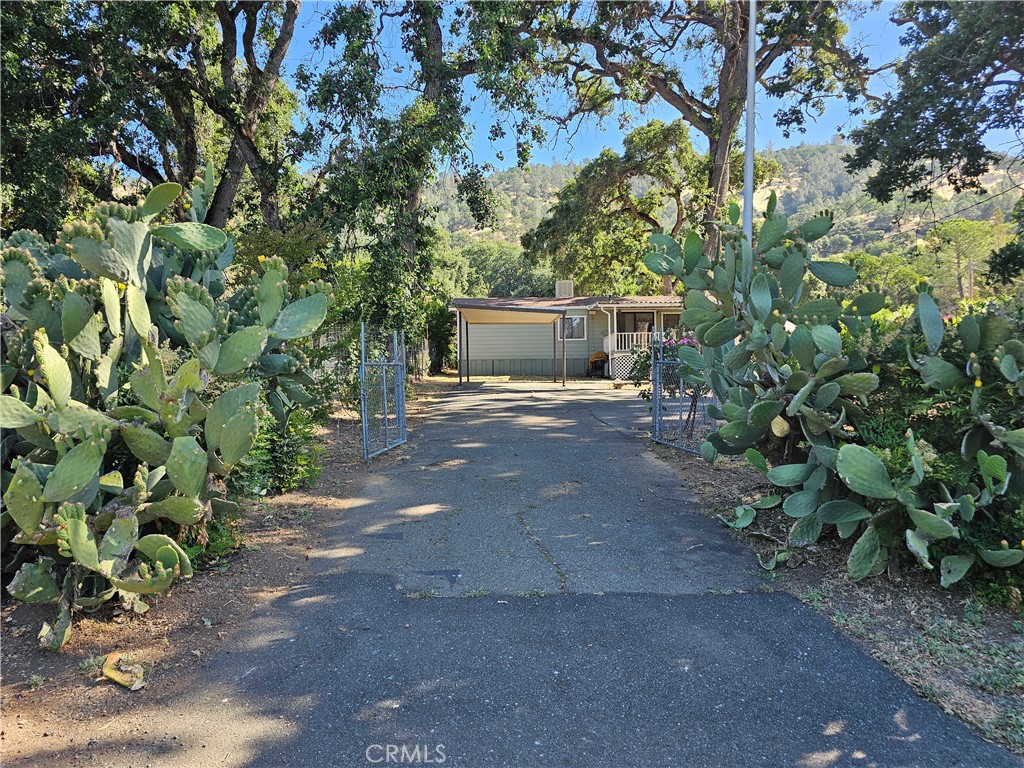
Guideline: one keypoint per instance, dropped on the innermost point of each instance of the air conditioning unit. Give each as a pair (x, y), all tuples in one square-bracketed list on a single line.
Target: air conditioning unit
[(563, 289)]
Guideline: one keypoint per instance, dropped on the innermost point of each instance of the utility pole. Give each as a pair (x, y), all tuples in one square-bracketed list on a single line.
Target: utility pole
[(748, 153)]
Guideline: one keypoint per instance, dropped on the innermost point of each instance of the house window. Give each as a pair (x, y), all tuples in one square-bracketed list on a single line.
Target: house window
[(669, 321), (575, 328), (635, 322)]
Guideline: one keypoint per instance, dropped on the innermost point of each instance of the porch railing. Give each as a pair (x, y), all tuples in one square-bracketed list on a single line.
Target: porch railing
[(624, 342)]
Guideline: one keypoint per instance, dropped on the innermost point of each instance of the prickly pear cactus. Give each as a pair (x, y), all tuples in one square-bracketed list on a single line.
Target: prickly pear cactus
[(112, 337), (777, 328)]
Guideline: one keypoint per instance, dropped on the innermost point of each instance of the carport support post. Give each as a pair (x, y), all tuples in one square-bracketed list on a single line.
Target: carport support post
[(554, 351), (563, 350), (458, 343), (467, 351)]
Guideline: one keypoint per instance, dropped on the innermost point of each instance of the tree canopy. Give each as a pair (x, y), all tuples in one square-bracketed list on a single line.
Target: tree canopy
[(963, 77), (596, 229), (149, 90)]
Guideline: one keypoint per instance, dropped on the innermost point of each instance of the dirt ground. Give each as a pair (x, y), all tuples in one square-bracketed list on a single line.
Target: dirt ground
[(50, 695), (948, 644)]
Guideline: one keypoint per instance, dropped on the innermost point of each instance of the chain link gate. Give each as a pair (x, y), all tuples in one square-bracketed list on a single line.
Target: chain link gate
[(679, 409), (382, 392)]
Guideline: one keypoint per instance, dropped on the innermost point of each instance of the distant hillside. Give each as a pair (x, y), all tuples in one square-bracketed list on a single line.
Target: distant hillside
[(813, 177)]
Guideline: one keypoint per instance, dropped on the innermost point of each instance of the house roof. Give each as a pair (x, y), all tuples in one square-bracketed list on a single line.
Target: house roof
[(554, 305)]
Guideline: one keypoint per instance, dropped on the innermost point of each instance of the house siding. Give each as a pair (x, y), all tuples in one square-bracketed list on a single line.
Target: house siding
[(525, 350)]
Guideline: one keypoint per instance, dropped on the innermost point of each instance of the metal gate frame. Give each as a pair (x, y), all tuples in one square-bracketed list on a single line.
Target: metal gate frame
[(679, 415), (379, 435)]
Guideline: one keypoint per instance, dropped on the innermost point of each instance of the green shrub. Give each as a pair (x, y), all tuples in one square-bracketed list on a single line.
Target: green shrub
[(131, 377), (280, 461), (793, 383)]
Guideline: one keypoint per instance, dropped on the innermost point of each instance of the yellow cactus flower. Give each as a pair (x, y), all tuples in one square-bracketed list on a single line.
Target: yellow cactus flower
[(31, 372), (121, 286), (187, 206), (261, 258), (977, 383)]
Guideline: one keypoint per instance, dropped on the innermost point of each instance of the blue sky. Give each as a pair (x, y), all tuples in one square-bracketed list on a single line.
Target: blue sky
[(879, 36)]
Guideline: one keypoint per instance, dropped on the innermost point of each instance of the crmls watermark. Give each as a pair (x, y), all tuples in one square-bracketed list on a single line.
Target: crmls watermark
[(422, 754)]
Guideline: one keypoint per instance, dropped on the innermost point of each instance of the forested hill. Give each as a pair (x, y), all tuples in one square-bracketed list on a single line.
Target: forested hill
[(812, 177)]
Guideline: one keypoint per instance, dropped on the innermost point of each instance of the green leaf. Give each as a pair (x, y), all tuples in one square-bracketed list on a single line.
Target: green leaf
[(789, 475), (970, 334), (801, 503), (814, 229), (192, 236), (34, 584), (931, 321), (772, 230), (238, 436), (100, 259), (954, 567), (866, 304), (693, 249), (75, 470), (111, 305), (842, 511), (24, 499), (186, 466), (152, 544), (1002, 558), (806, 531), (708, 452), (14, 413), (933, 526), (938, 374), (864, 473), (791, 274), (919, 548), (756, 459), (691, 357), (763, 413), (660, 264), (864, 555), (145, 444), (857, 384), (55, 370), (761, 296), (177, 509), (301, 318), (833, 272), (721, 332), (138, 310), (826, 395), (195, 318), (828, 340), (270, 295), (160, 197), (132, 241), (240, 350)]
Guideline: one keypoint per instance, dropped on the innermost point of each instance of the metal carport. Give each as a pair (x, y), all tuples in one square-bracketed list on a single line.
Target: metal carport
[(468, 311)]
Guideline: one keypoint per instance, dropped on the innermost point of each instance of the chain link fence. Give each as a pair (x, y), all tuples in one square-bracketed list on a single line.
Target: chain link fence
[(382, 371), (679, 409)]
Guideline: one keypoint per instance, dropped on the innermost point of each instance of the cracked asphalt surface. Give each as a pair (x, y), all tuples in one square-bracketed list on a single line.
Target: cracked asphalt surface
[(527, 586)]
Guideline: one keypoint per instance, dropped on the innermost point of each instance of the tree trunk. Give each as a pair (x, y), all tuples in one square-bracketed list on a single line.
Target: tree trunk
[(231, 177)]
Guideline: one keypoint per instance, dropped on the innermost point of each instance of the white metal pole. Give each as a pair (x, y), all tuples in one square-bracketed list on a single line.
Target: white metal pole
[(748, 155)]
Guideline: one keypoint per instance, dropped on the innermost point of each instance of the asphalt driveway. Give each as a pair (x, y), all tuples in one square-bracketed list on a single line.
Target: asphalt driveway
[(525, 586)]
